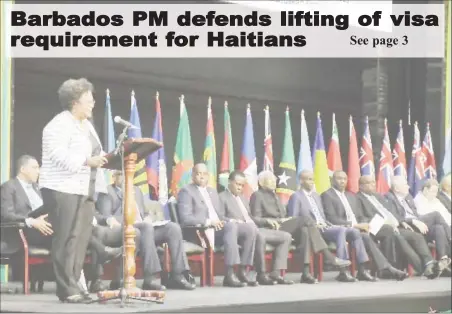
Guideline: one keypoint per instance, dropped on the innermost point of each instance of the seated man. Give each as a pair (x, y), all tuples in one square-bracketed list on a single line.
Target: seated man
[(235, 209), (268, 212), (343, 209), (432, 225), (446, 191), (21, 201), (199, 204), (307, 204), (110, 212), (426, 201)]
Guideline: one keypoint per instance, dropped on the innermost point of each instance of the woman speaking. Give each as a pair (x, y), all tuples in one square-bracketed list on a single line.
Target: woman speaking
[(70, 176)]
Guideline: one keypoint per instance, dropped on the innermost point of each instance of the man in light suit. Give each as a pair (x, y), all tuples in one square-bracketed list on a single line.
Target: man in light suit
[(235, 209), (307, 203), (343, 208), (110, 206), (445, 192), (199, 204)]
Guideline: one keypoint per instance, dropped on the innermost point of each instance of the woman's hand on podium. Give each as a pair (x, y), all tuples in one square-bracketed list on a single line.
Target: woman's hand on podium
[(96, 161)]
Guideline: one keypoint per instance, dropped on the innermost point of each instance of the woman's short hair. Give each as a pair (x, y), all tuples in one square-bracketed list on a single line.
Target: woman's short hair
[(71, 90)]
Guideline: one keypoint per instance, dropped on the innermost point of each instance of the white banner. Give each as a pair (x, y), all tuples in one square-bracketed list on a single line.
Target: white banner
[(227, 30)]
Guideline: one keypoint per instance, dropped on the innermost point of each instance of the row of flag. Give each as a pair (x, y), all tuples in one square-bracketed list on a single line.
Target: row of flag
[(151, 173)]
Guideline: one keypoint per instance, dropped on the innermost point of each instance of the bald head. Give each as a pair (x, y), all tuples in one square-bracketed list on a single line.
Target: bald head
[(340, 179), (446, 183), (367, 184), (307, 180), (400, 186), (200, 175)]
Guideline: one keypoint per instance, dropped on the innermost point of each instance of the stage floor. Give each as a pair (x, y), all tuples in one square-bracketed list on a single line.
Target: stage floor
[(251, 298)]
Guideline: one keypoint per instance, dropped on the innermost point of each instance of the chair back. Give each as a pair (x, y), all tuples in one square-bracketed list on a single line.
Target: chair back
[(174, 215)]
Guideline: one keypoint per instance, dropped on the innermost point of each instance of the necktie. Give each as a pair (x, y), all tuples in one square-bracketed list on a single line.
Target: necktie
[(383, 211), (348, 210), (33, 197), (212, 213), (315, 210), (407, 208), (244, 211)]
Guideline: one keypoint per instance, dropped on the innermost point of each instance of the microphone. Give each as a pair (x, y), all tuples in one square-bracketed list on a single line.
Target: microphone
[(125, 123)]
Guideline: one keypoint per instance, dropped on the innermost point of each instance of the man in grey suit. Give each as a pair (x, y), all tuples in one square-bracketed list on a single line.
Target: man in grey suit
[(307, 203), (148, 236), (235, 209), (199, 204)]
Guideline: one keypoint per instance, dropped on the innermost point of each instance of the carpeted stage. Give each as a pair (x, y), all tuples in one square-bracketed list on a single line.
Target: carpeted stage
[(414, 295)]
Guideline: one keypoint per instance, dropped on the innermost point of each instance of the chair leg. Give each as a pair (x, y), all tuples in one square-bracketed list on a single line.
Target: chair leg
[(210, 268), (319, 267), (410, 270), (203, 271), (353, 260), (26, 287)]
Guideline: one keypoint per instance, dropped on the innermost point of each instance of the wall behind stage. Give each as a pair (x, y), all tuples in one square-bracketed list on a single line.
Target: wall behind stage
[(314, 85)]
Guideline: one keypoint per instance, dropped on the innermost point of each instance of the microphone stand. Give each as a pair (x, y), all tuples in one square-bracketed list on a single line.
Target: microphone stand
[(123, 295)]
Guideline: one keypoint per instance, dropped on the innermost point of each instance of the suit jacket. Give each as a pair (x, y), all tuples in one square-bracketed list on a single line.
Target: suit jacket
[(335, 210), (110, 204), (396, 208), (65, 150), (369, 210), (15, 207), (299, 205), (192, 208), (265, 204), (230, 209), (444, 200)]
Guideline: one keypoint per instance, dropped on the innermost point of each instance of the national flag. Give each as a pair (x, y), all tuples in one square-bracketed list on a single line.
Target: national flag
[(248, 163), (109, 134), (305, 155), (227, 155), (210, 153), (334, 151), (385, 171), (416, 173), (447, 154), (429, 155), (287, 182), (321, 177), (268, 146), (140, 179), (183, 154), (366, 158), (157, 175), (353, 160), (399, 159)]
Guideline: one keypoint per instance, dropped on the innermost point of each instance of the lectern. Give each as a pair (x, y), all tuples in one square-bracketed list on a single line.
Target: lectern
[(125, 158)]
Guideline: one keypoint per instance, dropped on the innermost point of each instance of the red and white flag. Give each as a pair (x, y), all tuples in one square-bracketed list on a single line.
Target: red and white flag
[(385, 172)]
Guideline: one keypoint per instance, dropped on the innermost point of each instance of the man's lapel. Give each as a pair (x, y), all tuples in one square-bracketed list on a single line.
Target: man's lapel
[(21, 193)]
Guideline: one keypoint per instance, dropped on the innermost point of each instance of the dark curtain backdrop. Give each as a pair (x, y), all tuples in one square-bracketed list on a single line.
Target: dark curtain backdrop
[(313, 85)]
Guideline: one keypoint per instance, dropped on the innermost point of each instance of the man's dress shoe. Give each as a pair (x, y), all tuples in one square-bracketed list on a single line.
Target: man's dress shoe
[(97, 286), (340, 263), (281, 280), (149, 285), (243, 278), (345, 277), (232, 281), (265, 280), (365, 276), (180, 283), (308, 279), (431, 270)]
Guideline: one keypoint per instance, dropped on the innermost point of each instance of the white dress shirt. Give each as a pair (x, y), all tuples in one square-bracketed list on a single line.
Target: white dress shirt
[(425, 206)]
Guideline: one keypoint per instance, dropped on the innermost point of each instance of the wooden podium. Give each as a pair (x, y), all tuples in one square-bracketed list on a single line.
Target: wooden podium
[(134, 150)]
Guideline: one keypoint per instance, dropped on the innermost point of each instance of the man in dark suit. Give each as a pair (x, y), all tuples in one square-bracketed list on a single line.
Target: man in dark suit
[(412, 245), (268, 212), (149, 234), (343, 208), (21, 201), (445, 192), (235, 209), (199, 204), (432, 225), (307, 203)]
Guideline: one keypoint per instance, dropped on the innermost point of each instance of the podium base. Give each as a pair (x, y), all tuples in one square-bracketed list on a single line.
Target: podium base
[(127, 294)]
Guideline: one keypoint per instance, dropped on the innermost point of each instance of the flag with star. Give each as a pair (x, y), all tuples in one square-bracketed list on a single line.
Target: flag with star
[(334, 151), (287, 182)]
